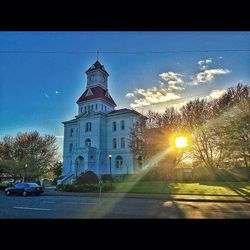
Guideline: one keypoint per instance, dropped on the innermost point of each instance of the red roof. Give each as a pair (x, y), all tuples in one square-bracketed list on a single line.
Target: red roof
[(97, 65), (98, 92)]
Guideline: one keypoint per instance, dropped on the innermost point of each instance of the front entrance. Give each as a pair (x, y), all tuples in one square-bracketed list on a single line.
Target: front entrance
[(79, 165)]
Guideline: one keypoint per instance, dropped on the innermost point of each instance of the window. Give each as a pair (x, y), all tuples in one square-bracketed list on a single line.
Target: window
[(92, 107), (88, 127), (70, 147), (85, 109), (122, 142), (71, 132), (105, 108), (114, 143), (118, 161), (114, 126), (122, 125), (102, 106), (96, 106), (87, 143), (81, 109), (88, 108)]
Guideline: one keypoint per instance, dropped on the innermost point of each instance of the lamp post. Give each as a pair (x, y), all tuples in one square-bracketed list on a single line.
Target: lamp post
[(26, 165), (110, 171)]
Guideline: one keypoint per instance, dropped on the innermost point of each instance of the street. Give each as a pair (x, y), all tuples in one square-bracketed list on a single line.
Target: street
[(75, 207)]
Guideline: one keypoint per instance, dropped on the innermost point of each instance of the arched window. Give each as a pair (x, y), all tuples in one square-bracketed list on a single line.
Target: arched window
[(71, 132), (87, 143), (70, 147), (118, 161)]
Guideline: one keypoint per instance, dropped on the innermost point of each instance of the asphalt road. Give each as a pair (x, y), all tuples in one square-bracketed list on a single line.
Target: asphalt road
[(75, 207)]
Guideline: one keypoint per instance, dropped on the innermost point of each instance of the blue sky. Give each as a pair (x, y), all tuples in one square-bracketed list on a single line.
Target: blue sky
[(39, 90)]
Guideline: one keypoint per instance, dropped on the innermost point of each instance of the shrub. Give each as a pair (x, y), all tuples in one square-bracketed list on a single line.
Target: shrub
[(78, 188), (87, 178), (84, 188), (4, 185)]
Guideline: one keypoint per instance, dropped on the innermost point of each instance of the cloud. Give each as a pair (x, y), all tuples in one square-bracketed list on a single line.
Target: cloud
[(204, 64), (173, 80), (59, 136), (47, 96), (208, 75), (172, 86), (56, 92), (206, 61), (220, 57), (129, 95), (216, 93), (154, 95)]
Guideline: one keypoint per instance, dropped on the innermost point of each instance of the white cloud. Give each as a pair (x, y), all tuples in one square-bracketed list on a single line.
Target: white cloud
[(59, 136), (204, 64), (208, 75), (56, 92), (129, 95), (173, 80), (206, 61), (154, 95), (172, 85), (216, 93), (220, 57), (47, 96)]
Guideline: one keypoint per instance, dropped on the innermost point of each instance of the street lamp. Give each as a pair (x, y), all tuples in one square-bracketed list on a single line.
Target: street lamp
[(26, 165), (110, 172)]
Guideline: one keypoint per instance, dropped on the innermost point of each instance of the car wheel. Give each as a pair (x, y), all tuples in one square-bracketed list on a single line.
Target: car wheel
[(25, 193), (8, 193)]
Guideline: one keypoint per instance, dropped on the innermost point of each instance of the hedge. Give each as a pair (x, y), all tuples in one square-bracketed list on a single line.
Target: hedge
[(84, 188)]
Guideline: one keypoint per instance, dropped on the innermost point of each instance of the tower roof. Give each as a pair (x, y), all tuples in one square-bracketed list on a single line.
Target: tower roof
[(98, 92), (97, 65)]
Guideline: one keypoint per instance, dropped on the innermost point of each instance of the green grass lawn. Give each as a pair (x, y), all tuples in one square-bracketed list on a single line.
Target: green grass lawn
[(201, 188)]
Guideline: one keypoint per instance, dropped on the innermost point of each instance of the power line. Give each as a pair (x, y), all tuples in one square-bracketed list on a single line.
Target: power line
[(121, 52)]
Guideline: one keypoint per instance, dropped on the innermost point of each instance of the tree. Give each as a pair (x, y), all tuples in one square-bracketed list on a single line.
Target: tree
[(138, 139), (57, 169), (30, 155), (237, 128), (215, 129)]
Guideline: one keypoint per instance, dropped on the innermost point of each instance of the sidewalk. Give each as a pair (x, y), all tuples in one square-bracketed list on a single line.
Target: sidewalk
[(172, 197)]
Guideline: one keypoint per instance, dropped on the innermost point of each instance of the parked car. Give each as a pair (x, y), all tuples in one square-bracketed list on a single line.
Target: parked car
[(24, 189)]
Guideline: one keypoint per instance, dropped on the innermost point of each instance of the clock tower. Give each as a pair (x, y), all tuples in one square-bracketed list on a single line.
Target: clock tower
[(97, 76)]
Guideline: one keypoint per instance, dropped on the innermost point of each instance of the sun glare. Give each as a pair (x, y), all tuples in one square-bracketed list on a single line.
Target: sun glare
[(181, 142)]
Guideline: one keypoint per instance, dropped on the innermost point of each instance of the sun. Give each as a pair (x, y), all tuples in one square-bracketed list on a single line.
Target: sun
[(181, 142)]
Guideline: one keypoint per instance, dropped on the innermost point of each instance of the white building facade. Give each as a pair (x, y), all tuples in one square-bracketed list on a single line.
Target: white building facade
[(98, 130)]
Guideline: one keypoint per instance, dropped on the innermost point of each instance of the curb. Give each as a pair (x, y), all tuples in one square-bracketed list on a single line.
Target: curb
[(168, 197)]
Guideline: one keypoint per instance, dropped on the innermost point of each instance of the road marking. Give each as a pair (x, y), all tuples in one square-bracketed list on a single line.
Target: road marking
[(48, 202), (83, 203), (33, 208)]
